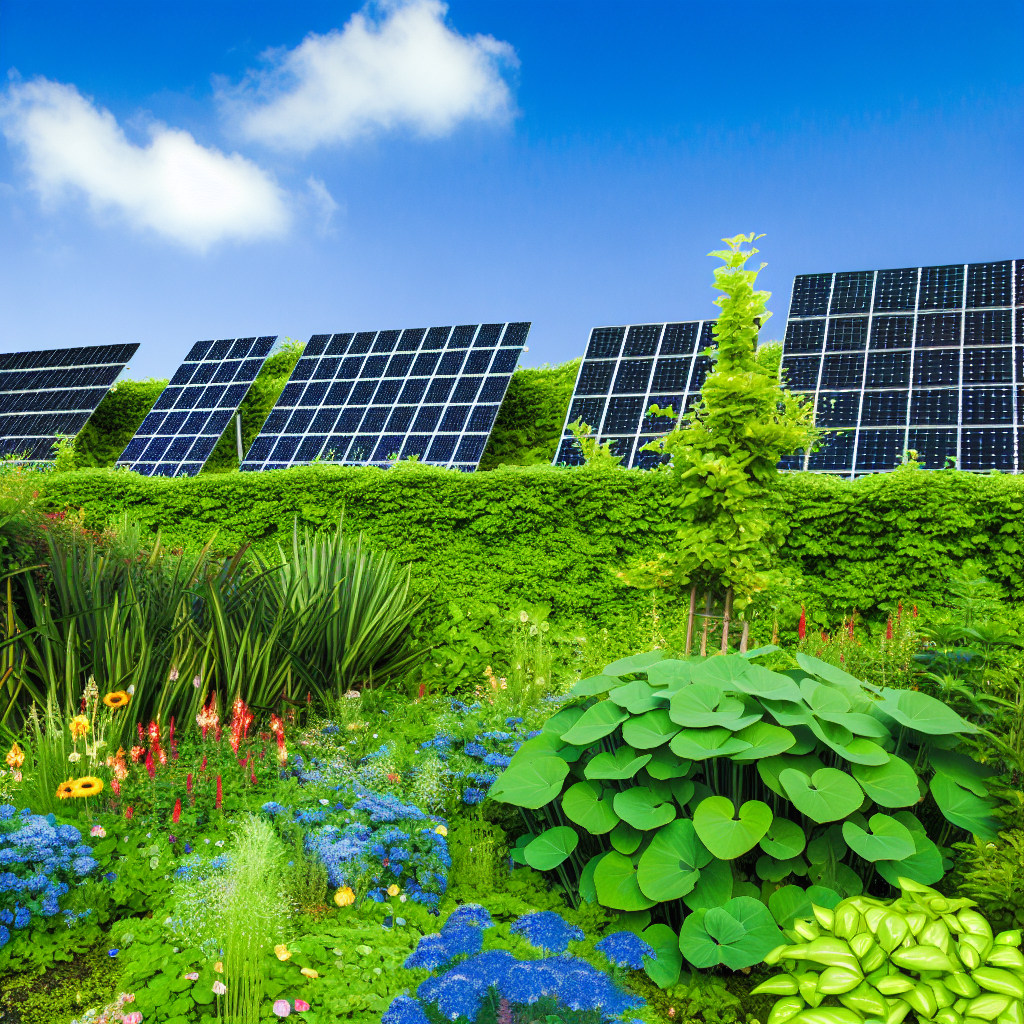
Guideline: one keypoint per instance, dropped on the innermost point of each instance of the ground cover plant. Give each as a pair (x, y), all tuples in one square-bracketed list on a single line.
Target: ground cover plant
[(453, 756)]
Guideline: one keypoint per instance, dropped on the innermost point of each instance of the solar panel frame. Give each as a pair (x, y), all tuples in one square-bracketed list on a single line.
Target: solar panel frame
[(192, 412), (432, 392), (50, 392), (950, 339), (625, 371)]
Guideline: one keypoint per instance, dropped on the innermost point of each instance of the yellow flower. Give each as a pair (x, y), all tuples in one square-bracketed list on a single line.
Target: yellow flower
[(117, 699), (282, 952), (15, 757), (66, 789), (393, 890), (219, 966), (344, 897), (441, 830), (309, 972), (79, 726), (87, 785)]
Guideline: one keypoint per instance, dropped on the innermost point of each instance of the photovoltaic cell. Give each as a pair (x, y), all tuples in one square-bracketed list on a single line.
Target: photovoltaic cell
[(625, 372), (53, 392), (922, 358), (375, 396), (181, 431)]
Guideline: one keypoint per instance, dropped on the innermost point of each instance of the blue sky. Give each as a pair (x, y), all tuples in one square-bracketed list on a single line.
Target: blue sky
[(178, 171)]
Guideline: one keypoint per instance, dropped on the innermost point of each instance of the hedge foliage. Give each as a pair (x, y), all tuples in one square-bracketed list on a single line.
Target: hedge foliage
[(524, 536)]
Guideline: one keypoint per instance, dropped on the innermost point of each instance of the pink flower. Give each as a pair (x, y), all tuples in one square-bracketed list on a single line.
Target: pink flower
[(219, 988), (133, 1018), (301, 1006), (197, 682), (98, 830), (282, 1008), (194, 976)]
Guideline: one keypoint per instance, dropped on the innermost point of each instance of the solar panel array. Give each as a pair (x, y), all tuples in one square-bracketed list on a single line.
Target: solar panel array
[(627, 370), (186, 422), (43, 394), (363, 399), (923, 358)]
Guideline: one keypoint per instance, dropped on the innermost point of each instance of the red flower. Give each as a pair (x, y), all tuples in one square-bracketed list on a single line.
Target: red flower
[(142, 735), (899, 611), (888, 629), (220, 793), (115, 785), (176, 813), (172, 729), (188, 784), (423, 690), (129, 813), (801, 628), (202, 767), (915, 611), (150, 764), (851, 627)]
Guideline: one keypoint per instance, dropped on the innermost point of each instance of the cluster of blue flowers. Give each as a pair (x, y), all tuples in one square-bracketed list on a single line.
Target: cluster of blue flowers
[(197, 868), (39, 861), (472, 972)]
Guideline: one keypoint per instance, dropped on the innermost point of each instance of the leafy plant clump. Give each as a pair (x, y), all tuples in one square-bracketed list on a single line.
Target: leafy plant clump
[(695, 789)]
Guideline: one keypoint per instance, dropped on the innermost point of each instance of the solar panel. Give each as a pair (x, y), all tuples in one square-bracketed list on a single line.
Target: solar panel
[(43, 394), (181, 431), (628, 369), (922, 358), (367, 398)]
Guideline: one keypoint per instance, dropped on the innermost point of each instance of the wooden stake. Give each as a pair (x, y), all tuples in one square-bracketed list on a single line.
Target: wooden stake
[(745, 637), (690, 617), (727, 615), (704, 631)]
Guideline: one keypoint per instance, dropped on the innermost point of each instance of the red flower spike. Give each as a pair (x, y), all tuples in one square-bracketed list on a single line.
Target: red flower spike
[(801, 630), (888, 629), (851, 627), (220, 794), (188, 784), (915, 611), (202, 767), (115, 785), (423, 690), (142, 735), (150, 764), (129, 813), (899, 611), (176, 813)]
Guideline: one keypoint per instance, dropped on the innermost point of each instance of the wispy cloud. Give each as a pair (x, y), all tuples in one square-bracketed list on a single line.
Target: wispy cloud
[(192, 194), (403, 69)]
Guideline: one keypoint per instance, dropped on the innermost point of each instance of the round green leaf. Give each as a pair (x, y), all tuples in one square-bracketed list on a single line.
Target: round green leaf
[(695, 707), (962, 769), (726, 834), (918, 711), (551, 847), (925, 866), (699, 744), (593, 686), (893, 784), (822, 699), (634, 663), (888, 839), (664, 971), (765, 741), (587, 889), (642, 809), (784, 839), (713, 887), (617, 886), (840, 877), (852, 686), (861, 751), (789, 904), (649, 730), (722, 671), (666, 765), (738, 934), (625, 838), (770, 768), (562, 721), (827, 795), (682, 790), (595, 723), (772, 870), (670, 867), (670, 675), (532, 784), (963, 808), (830, 844), (760, 682), (626, 693), (589, 805), (623, 764), (545, 745)]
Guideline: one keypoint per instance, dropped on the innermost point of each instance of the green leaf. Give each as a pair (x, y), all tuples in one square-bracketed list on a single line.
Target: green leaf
[(963, 808), (617, 886), (917, 710), (772, 870), (784, 839), (727, 835), (850, 685), (827, 795), (596, 723), (765, 741), (722, 671), (770, 768), (829, 844), (531, 785), (698, 744), (962, 769), (823, 700), (551, 847), (713, 887), (664, 971), (890, 840), (925, 866), (738, 934), (670, 674), (682, 790), (634, 663), (545, 745), (593, 686), (694, 706), (670, 867), (623, 764), (759, 652), (649, 730), (760, 682), (666, 765), (822, 896), (642, 809), (589, 805), (626, 694), (562, 721), (588, 891), (789, 904), (625, 838), (839, 877), (893, 784)]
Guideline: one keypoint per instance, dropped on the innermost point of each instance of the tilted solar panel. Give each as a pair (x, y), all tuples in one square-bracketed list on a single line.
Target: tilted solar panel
[(43, 394), (190, 415), (367, 398), (628, 369), (922, 358)]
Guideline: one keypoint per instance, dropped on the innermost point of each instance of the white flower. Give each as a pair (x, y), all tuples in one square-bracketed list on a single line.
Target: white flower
[(207, 841), (524, 617), (131, 689), (401, 899), (324, 802), (220, 842), (375, 736), (75, 757)]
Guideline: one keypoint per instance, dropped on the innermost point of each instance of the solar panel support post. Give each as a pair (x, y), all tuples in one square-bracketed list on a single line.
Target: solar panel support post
[(238, 436)]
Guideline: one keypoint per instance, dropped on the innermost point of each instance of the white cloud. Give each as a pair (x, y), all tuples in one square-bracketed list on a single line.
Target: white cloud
[(184, 191), (324, 205), (405, 69)]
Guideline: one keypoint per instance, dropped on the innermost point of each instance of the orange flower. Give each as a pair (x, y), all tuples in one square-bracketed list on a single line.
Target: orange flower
[(309, 972), (79, 726), (344, 897), (66, 789), (15, 757), (87, 785), (281, 952), (117, 699)]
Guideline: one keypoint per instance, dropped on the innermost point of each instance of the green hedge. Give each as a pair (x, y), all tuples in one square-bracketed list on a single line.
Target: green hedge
[(521, 536)]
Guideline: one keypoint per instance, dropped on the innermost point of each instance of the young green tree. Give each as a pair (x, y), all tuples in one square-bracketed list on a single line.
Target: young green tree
[(725, 451)]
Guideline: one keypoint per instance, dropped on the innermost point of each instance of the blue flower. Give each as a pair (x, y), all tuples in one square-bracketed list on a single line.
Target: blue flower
[(471, 795), (50, 906), (430, 952), (330, 730), (110, 876), (474, 750), (533, 735), (469, 913), (7, 811), (22, 917), (497, 760), (625, 949), (546, 930), (113, 952), (83, 865), (403, 1011), (459, 995), (513, 721), (5, 936), (273, 808), (6, 917)]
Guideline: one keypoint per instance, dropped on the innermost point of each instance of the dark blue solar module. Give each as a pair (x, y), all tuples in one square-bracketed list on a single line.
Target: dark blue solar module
[(625, 371), (372, 397), (190, 415), (923, 358), (51, 393)]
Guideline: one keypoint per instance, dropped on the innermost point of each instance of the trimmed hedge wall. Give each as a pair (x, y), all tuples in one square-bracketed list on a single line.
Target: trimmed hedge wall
[(520, 536)]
